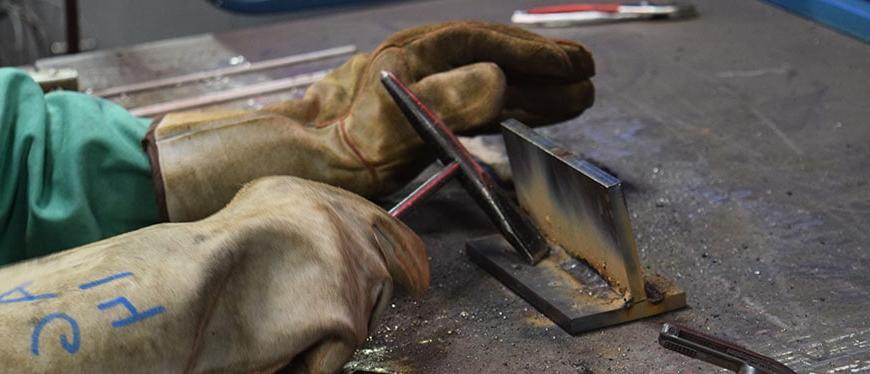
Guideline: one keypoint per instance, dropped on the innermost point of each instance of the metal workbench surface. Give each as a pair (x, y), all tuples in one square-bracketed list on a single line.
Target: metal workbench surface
[(742, 136)]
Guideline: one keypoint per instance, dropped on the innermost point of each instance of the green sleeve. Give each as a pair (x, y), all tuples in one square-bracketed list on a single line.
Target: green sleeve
[(72, 170)]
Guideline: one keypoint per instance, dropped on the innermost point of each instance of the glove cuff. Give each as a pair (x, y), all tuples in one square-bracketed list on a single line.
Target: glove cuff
[(200, 160)]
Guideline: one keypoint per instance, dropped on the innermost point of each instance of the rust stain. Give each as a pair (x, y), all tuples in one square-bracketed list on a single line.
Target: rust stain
[(537, 319)]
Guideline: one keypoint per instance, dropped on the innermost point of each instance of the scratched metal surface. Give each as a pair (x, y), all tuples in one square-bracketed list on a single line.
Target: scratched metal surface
[(743, 137)]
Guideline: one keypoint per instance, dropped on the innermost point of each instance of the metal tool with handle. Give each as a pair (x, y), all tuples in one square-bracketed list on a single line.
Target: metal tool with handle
[(718, 352), (513, 224), (425, 189), (578, 14), (574, 202)]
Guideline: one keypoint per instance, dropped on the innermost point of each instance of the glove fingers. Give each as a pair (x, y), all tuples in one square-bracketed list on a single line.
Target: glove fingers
[(579, 57), (404, 253), (539, 104), (516, 51), (328, 356), (465, 98)]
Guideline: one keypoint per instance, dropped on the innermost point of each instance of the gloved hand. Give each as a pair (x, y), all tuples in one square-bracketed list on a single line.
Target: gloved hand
[(290, 272), (347, 132)]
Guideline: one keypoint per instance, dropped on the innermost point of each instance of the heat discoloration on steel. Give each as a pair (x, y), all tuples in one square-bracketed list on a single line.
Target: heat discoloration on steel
[(567, 291), (578, 275), (576, 205), (592, 277)]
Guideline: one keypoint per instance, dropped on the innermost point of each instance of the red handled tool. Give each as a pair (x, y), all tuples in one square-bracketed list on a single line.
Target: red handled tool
[(718, 352), (511, 221), (578, 14)]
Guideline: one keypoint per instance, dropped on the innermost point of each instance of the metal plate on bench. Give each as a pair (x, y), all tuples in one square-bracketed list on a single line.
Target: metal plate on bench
[(593, 278)]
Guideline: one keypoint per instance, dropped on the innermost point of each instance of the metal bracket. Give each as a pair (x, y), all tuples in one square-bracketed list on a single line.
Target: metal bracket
[(593, 277)]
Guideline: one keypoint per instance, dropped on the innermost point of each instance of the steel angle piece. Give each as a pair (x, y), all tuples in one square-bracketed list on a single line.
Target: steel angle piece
[(593, 277)]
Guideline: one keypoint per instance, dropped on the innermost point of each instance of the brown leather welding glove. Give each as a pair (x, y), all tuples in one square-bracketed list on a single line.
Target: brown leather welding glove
[(347, 131), (291, 272)]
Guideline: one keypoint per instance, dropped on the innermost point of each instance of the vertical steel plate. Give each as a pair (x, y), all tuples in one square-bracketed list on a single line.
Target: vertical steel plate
[(593, 278)]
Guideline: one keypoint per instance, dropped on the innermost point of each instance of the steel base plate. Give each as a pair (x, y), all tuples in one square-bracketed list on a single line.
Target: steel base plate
[(569, 291)]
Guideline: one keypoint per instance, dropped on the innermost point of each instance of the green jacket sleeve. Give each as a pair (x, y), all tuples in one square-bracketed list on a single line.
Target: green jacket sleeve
[(72, 170)]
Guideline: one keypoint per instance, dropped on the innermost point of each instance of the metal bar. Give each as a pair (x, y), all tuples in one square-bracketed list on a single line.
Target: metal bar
[(511, 222), (427, 188), (718, 352), (579, 14), (228, 95), (232, 70), (73, 36)]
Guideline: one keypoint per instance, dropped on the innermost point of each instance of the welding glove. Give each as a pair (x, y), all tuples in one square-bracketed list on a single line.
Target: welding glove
[(346, 131), (291, 272)]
